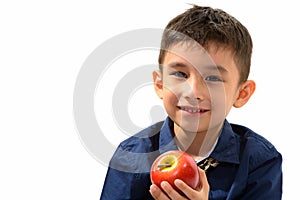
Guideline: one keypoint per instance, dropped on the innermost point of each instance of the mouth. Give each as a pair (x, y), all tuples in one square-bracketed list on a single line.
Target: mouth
[(193, 110)]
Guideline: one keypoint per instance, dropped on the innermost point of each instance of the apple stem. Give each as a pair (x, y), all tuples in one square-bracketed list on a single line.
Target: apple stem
[(162, 166)]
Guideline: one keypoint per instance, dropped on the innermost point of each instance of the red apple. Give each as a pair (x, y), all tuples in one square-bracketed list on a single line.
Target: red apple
[(173, 165)]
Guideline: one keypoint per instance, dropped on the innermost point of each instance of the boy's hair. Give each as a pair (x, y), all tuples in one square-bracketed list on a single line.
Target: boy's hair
[(207, 26)]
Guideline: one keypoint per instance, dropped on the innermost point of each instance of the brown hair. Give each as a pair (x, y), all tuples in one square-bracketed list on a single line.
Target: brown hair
[(206, 25)]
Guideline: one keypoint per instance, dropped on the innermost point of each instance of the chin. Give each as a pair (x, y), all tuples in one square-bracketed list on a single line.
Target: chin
[(193, 127)]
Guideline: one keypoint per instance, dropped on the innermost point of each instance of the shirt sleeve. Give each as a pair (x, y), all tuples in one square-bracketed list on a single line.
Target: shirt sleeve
[(265, 182), (116, 185), (122, 182)]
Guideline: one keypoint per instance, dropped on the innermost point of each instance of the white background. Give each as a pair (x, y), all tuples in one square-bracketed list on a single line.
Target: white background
[(43, 45)]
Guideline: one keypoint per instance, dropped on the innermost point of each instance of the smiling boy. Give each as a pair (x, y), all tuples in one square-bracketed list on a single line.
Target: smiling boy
[(204, 62), (198, 88)]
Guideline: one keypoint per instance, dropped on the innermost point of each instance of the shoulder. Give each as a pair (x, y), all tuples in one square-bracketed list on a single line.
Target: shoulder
[(251, 137), (144, 140), (254, 147), (135, 154)]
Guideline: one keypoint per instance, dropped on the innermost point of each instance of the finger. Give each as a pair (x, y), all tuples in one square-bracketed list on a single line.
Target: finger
[(182, 186), (170, 191), (201, 191), (186, 189), (157, 193), (203, 180)]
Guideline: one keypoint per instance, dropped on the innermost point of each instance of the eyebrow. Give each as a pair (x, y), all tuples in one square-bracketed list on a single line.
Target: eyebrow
[(219, 68), (177, 64)]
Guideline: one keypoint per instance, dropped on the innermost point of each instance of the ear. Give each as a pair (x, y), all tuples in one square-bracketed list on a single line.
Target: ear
[(158, 84), (245, 92)]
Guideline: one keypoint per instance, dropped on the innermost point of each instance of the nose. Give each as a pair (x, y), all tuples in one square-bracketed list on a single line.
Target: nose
[(195, 89)]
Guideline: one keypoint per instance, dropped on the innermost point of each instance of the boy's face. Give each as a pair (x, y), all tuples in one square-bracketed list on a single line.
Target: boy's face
[(198, 88)]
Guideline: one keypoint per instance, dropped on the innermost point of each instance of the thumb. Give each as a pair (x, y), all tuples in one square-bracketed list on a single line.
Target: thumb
[(203, 183)]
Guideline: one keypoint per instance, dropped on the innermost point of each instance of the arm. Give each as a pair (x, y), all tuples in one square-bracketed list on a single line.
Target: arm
[(115, 185), (266, 181), (124, 179), (117, 180), (124, 185)]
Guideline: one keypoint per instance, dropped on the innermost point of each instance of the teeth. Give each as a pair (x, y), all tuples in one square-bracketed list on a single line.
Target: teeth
[(191, 110)]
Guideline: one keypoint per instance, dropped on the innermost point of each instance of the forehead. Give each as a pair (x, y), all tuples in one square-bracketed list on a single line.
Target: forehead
[(197, 56)]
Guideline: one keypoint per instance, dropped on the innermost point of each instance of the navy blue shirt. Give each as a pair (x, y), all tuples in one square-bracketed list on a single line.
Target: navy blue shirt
[(249, 166)]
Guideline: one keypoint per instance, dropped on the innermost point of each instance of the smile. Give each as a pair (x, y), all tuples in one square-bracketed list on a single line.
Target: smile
[(192, 109)]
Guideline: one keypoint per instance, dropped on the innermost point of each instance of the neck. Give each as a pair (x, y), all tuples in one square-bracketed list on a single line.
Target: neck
[(197, 144)]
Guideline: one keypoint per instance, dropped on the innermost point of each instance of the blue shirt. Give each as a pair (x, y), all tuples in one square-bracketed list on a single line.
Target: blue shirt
[(249, 165)]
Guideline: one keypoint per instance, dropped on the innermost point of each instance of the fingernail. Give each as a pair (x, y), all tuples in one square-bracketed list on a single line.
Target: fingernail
[(153, 188), (163, 184)]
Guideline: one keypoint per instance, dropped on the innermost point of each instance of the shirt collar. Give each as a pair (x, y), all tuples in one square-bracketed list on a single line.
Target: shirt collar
[(225, 151), (227, 148), (166, 140)]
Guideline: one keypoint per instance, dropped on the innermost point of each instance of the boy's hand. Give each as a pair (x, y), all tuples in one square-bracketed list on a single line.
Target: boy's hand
[(200, 193)]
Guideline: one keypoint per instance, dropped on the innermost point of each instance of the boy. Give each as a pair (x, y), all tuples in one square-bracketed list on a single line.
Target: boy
[(204, 62)]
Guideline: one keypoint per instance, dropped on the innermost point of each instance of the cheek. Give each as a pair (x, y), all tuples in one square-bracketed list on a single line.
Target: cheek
[(170, 102), (170, 96), (217, 96), (221, 103), (172, 89)]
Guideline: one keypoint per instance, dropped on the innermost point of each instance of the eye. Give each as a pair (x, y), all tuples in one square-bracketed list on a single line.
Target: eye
[(180, 74), (213, 78)]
